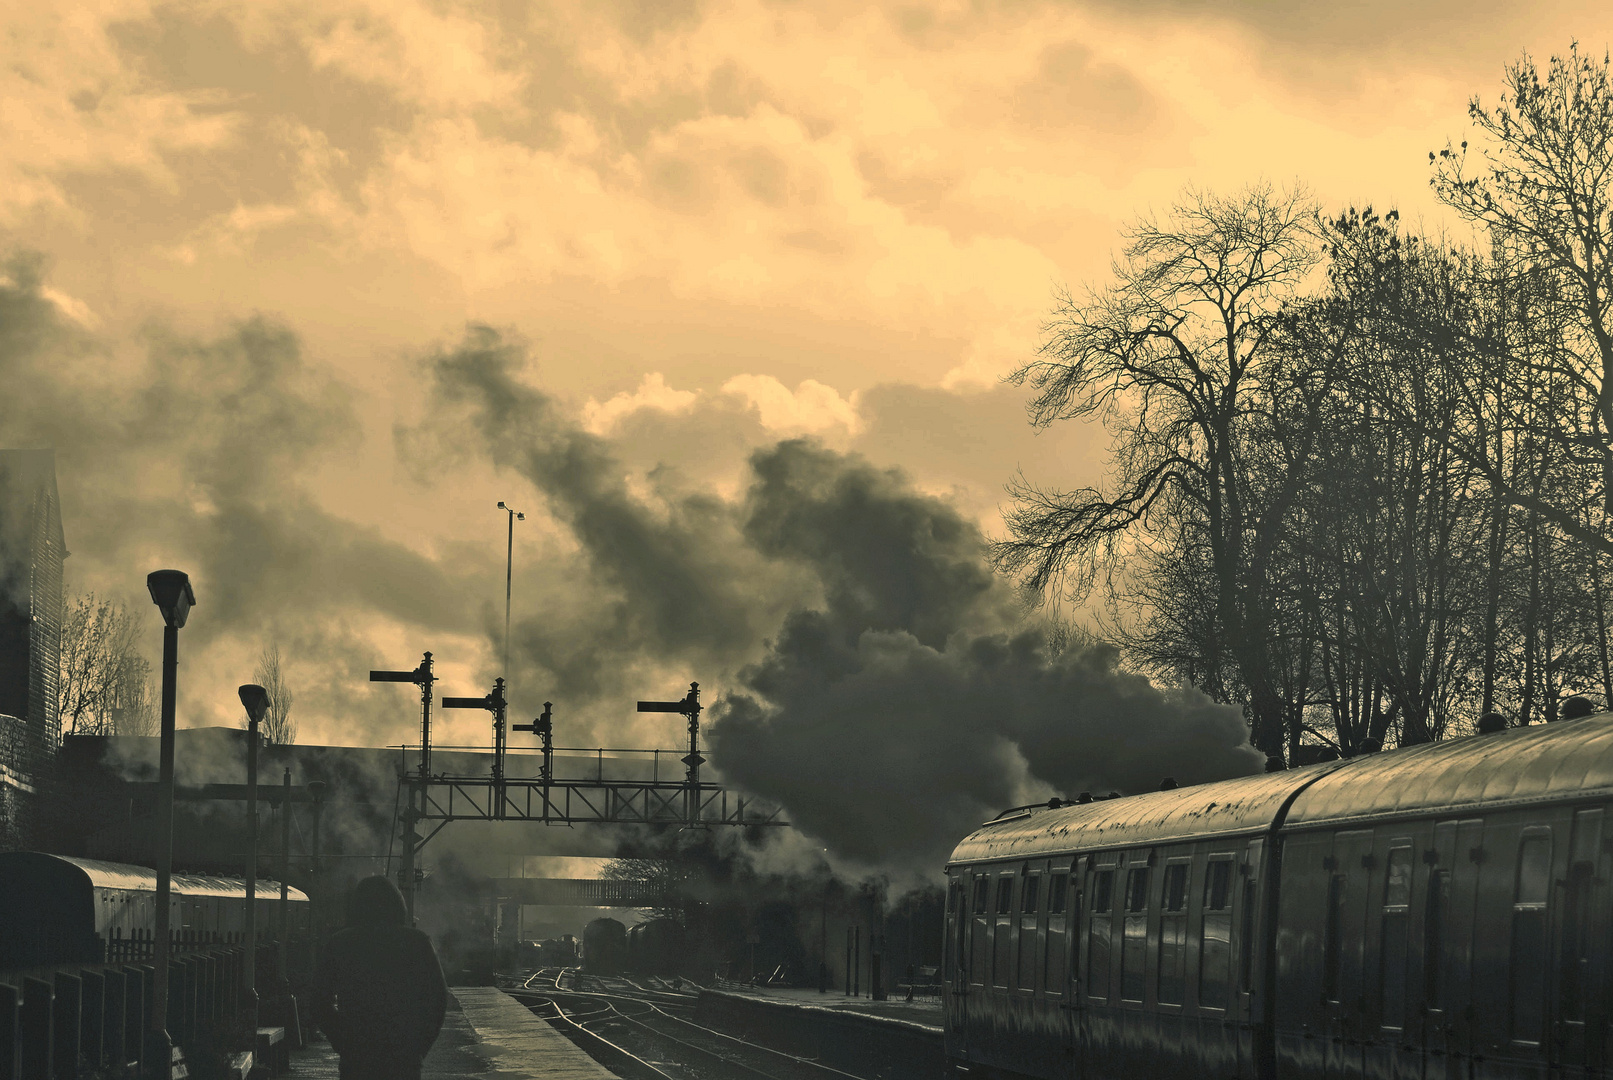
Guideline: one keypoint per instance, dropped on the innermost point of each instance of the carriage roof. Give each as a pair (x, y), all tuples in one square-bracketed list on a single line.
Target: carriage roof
[(112, 875), (1522, 766)]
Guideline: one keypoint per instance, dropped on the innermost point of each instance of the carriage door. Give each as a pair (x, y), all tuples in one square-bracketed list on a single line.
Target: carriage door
[(1250, 960), (957, 965), (1349, 887), (1579, 1020), (1451, 894), (1062, 985)]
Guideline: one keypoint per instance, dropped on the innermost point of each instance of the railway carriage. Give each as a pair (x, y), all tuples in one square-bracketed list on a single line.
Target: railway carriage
[(60, 910), (1440, 911)]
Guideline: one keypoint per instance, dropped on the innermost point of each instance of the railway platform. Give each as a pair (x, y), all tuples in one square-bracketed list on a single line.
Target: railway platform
[(487, 1035), (923, 1011)]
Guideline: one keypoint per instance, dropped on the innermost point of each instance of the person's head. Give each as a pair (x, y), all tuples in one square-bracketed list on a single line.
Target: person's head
[(1492, 722), (1576, 708), (375, 901)]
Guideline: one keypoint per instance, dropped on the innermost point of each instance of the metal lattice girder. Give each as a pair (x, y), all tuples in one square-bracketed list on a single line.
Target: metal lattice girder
[(572, 802), (579, 892)]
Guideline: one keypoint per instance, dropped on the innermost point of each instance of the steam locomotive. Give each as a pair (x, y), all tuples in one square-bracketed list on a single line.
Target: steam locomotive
[(60, 910), (1441, 910)]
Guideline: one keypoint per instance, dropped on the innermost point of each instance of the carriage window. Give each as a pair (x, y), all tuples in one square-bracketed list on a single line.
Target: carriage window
[(1028, 901), (1528, 987), (1102, 890), (1137, 889), (1392, 953), (1215, 935), (1175, 898), (1056, 887), (1173, 936), (1134, 931), (1098, 938), (981, 887), (1005, 895)]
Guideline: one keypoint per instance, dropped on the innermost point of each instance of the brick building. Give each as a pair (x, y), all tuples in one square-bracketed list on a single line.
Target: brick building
[(32, 547)]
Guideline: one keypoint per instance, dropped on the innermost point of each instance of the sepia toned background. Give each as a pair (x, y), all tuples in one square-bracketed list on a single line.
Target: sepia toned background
[(298, 292)]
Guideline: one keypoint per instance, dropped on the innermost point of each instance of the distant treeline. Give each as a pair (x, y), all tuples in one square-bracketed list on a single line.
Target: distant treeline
[(1361, 481)]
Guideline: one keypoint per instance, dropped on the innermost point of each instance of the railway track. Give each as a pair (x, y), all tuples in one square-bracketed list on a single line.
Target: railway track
[(644, 1032)]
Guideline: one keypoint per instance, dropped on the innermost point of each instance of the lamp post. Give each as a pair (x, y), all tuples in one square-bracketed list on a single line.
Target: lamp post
[(256, 700), (171, 592), (509, 563)]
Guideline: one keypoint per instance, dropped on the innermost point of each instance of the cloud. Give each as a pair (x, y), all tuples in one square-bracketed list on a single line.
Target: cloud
[(198, 453), (653, 393), (811, 407)]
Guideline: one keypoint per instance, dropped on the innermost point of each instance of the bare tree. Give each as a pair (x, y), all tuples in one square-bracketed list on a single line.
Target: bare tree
[(1544, 189), (278, 726), (104, 686), (1180, 358)]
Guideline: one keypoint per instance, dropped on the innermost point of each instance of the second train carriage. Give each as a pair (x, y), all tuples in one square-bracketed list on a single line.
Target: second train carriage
[(55, 909), (1440, 911)]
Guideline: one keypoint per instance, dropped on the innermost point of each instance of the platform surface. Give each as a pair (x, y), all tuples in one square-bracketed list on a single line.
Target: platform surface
[(925, 1011), (487, 1035)]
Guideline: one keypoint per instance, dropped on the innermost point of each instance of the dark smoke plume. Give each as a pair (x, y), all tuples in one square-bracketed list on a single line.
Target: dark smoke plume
[(901, 698), (911, 706)]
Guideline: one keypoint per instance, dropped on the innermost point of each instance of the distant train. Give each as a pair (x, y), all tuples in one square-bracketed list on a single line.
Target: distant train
[(60, 910), (604, 947), (656, 947), (1442, 910)]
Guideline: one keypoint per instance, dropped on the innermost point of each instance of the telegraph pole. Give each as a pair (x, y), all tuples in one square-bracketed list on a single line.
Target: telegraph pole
[(509, 563)]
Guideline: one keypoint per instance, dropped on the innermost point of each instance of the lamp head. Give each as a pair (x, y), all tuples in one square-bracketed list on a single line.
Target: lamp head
[(501, 505), (171, 592), (520, 516), (256, 700)]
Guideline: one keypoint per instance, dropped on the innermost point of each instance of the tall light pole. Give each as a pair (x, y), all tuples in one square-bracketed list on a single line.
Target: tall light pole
[(256, 700), (171, 592), (509, 563)]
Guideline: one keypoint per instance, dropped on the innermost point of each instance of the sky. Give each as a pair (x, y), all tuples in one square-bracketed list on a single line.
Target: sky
[(713, 292)]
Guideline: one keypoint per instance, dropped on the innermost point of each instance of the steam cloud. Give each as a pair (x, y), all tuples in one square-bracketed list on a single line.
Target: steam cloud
[(902, 699), (870, 673)]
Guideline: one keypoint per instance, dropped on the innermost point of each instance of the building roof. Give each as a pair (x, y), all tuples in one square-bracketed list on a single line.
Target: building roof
[(24, 474)]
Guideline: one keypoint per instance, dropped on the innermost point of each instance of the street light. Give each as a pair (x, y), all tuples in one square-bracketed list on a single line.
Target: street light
[(509, 562), (256, 700), (171, 592)]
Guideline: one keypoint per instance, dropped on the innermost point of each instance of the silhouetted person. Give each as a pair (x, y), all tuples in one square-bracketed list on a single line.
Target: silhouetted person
[(1492, 722), (1576, 708), (379, 994)]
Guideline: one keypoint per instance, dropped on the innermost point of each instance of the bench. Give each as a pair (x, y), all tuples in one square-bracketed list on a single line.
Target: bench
[(273, 1050)]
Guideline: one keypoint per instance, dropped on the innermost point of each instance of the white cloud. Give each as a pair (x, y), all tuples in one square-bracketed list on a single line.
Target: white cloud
[(652, 393), (72, 307), (811, 407)]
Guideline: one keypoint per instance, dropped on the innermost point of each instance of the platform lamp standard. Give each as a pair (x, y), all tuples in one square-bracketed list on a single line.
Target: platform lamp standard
[(171, 592), (256, 700), (509, 563)]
